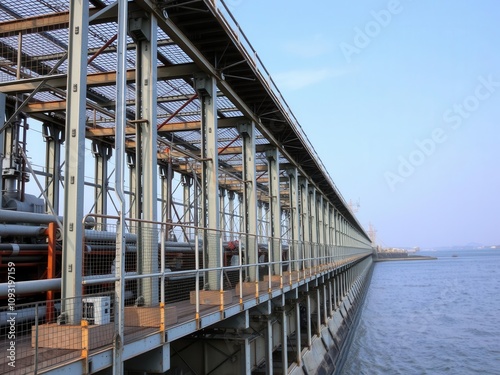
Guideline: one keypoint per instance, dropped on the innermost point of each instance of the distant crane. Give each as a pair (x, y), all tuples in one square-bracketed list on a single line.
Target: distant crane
[(372, 233), (354, 206)]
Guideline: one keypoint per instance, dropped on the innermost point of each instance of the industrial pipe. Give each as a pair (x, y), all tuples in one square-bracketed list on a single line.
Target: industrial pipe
[(21, 230), (32, 286), (9, 216)]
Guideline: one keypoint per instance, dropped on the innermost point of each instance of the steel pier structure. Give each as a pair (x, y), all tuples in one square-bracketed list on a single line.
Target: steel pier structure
[(162, 210)]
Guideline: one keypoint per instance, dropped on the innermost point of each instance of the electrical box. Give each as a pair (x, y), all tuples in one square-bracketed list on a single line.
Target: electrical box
[(97, 310)]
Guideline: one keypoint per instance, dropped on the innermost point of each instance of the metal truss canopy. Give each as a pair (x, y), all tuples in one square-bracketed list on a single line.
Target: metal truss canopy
[(193, 37)]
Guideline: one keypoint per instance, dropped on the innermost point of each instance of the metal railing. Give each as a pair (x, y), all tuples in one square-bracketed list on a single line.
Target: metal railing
[(164, 273)]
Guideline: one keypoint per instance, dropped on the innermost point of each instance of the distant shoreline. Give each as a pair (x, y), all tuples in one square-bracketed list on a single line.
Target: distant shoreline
[(416, 257)]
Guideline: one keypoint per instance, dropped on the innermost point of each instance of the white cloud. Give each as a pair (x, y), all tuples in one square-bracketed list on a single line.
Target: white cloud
[(298, 79), (309, 47)]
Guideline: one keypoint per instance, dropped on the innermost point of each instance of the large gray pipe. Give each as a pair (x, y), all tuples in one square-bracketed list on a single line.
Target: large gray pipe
[(11, 216), (32, 286), (8, 216), (21, 230), (96, 235)]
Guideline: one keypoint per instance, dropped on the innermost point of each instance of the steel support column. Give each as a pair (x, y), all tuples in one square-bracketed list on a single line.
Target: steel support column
[(269, 345), (231, 196), (102, 152), (54, 137), (318, 311), (331, 234), (132, 165), (306, 222), (247, 132), (207, 91), (321, 230), (308, 320), (298, 345), (314, 225), (284, 340), (275, 209), (222, 212), (166, 176), (187, 182), (293, 183), (260, 221), (121, 122), (75, 161), (146, 78)]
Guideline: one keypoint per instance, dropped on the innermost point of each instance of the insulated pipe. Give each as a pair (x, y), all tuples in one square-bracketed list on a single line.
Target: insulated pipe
[(95, 235), (21, 230), (9, 216), (32, 286)]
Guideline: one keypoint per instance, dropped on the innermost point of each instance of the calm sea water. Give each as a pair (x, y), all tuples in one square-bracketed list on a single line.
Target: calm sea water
[(431, 317)]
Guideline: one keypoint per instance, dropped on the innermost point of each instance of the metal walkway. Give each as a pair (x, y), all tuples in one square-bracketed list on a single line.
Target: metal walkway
[(153, 173)]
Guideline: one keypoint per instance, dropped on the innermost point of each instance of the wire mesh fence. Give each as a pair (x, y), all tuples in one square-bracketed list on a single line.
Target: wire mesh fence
[(168, 279)]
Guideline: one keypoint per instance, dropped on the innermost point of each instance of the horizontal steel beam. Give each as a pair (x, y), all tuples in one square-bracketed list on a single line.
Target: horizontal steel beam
[(94, 79)]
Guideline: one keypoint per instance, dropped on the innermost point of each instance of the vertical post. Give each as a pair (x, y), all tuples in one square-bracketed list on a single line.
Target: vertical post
[(295, 214), (232, 228), (121, 119), (298, 334), (222, 213), (314, 225), (165, 172), (53, 136), (207, 92), (51, 268), (260, 222), (321, 233), (284, 340), (308, 317), (146, 111), (318, 312), (132, 163), (269, 345), (306, 231), (102, 152), (75, 161), (187, 181), (274, 208), (247, 132)]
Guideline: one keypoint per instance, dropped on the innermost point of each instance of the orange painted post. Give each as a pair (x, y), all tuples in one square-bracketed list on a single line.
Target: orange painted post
[(51, 268)]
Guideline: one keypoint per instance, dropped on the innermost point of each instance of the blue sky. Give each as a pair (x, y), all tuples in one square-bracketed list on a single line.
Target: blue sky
[(401, 101)]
